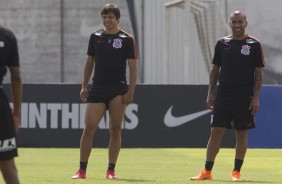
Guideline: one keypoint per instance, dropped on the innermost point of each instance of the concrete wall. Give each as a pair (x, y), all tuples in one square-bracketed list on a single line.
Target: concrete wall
[(36, 25)]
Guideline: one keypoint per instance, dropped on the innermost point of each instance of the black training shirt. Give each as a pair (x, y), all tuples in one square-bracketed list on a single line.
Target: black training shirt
[(237, 60), (111, 52), (8, 51)]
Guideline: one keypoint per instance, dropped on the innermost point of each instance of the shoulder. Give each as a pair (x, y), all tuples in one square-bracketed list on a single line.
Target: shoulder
[(252, 40), (223, 42), (225, 39), (7, 33), (98, 33), (124, 35)]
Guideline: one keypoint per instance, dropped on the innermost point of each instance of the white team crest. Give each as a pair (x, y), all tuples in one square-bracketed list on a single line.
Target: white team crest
[(245, 49), (117, 43)]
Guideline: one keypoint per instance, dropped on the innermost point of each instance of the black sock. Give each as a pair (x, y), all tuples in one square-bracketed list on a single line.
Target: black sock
[(83, 165), (209, 165), (238, 164), (111, 166)]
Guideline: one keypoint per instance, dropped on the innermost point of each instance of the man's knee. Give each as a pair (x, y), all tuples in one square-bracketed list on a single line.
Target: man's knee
[(217, 132), (242, 136), (89, 130), (115, 130)]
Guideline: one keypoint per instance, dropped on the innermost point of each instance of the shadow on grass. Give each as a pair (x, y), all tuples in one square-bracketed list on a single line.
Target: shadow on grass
[(128, 180), (244, 181), (136, 180)]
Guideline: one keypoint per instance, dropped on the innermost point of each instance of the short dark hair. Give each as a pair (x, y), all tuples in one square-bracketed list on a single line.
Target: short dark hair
[(111, 8)]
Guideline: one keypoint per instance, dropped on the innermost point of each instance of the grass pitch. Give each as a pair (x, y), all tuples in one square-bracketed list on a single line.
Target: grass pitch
[(143, 165)]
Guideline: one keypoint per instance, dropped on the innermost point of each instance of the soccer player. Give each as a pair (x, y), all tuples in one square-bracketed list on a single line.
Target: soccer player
[(237, 65), (108, 51), (9, 119)]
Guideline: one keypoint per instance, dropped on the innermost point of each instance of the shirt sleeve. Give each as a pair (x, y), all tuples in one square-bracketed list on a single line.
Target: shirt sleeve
[(91, 48), (14, 52), (259, 56), (217, 55), (131, 52)]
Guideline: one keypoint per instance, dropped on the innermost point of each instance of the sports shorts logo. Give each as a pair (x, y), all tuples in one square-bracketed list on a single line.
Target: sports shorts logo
[(7, 144), (117, 43), (2, 44), (245, 49), (172, 121)]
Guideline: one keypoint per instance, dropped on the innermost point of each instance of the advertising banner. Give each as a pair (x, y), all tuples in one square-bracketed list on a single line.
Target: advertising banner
[(160, 116)]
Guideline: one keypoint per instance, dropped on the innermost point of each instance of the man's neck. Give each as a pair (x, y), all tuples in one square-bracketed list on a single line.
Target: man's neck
[(112, 31), (241, 37)]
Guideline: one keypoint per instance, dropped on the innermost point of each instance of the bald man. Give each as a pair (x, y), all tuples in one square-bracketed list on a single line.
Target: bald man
[(237, 66)]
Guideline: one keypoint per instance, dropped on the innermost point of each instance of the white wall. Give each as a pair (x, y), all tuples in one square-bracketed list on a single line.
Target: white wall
[(163, 66), (172, 52)]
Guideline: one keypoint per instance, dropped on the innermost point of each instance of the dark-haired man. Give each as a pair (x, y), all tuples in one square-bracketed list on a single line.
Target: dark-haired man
[(108, 51), (9, 119)]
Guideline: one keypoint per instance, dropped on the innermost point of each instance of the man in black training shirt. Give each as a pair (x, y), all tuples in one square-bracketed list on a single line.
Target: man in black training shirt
[(9, 119), (108, 51), (237, 65)]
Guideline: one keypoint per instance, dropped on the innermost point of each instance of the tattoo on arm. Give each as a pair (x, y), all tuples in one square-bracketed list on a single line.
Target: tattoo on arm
[(258, 81), (213, 78)]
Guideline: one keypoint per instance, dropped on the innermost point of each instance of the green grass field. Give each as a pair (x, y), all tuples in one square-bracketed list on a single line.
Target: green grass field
[(164, 166)]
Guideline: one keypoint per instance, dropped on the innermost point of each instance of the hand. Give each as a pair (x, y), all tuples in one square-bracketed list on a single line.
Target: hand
[(83, 94), (16, 120), (210, 101), (127, 98), (254, 105)]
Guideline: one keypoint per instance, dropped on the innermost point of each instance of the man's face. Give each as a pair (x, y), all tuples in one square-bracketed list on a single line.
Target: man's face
[(238, 25), (109, 21)]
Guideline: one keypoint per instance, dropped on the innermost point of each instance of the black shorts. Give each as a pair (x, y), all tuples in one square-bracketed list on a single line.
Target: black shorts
[(8, 148), (237, 116), (105, 94)]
